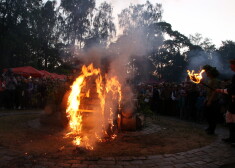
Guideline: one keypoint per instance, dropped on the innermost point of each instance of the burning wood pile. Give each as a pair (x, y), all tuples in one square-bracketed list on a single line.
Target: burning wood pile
[(93, 107)]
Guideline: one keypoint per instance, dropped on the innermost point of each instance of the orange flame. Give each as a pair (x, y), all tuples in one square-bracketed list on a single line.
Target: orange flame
[(195, 77), (107, 91)]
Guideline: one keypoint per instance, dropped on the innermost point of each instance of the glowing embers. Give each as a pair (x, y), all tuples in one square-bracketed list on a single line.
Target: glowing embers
[(195, 77), (92, 107)]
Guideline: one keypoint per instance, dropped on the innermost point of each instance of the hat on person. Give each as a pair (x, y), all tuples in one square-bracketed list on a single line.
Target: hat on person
[(212, 70)]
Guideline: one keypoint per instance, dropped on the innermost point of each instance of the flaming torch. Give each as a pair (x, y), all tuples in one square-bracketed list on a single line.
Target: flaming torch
[(197, 77)]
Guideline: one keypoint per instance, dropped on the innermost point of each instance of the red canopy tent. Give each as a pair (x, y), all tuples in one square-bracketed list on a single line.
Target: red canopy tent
[(57, 76), (46, 74), (27, 71), (63, 76), (30, 71)]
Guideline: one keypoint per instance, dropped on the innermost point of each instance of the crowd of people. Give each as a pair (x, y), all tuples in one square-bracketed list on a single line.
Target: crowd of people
[(19, 92), (212, 102), (187, 100)]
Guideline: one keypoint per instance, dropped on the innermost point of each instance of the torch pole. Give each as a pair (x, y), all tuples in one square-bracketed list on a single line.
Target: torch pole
[(207, 86)]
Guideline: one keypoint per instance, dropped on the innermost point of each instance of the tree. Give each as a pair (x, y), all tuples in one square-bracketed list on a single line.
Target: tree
[(196, 39), (76, 20), (47, 54), (103, 29), (170, 58), (136, 22), (139, 16), (16, 29), (204, 43), (227, 52)]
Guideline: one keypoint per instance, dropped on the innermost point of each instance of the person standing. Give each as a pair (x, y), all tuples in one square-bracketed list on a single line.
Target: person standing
[(2, 92), (230, 114), (211, 105), (11, 91)]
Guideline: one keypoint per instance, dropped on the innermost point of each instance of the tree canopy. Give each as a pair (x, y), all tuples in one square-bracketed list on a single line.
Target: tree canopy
[(39, 34)]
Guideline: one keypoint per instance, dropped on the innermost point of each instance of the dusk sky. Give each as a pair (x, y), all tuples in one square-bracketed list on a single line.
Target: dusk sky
[(214, 19)]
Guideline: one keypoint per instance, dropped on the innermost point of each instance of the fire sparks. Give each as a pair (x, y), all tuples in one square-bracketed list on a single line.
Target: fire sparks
[(105, 94), (195, 77)]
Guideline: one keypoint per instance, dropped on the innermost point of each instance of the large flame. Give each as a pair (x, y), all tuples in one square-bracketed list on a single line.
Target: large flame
[(108, 93), (195, 77)]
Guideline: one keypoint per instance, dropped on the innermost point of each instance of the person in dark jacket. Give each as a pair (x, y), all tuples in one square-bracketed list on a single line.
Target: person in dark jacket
[(211, 105), (230, 114)]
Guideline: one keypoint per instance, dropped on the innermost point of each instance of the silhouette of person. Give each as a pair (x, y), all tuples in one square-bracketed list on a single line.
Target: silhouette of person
[(211, 105), (230, 114)]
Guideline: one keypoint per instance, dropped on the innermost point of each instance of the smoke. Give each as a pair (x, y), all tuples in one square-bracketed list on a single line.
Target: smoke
[(115, 59), (113, 62), (198, 58)]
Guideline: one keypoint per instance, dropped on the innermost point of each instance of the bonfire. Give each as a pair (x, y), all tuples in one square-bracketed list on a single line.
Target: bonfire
[(92, 107)]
